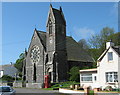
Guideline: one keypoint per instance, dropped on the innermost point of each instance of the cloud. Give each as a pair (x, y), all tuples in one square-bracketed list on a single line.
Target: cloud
[(82, 33)]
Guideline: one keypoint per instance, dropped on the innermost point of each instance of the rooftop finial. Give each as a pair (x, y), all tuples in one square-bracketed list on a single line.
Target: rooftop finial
[(35, 28), (60, 8), (25, 52), (50, 5)]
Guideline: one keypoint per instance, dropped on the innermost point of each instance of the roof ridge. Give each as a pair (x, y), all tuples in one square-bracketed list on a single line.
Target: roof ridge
[(55, 9), (41, 31)]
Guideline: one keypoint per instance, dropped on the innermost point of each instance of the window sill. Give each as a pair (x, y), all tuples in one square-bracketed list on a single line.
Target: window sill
[(111, 61), (110, 82), (86, 81)]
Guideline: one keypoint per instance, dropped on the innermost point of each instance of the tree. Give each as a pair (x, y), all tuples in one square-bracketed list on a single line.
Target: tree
[(19, 64), (98, 42), (105, 37), (94, 41), (74, 74), (115, 38), (83, 44), (7, 78)]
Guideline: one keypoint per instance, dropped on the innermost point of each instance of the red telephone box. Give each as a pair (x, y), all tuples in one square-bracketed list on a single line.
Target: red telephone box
[(46, 81)]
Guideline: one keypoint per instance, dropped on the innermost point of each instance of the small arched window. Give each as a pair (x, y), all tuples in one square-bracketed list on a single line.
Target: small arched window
[(50, 27), (34, 76)]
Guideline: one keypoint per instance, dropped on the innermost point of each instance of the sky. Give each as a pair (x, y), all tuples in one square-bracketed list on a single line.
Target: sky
[(20, 19)]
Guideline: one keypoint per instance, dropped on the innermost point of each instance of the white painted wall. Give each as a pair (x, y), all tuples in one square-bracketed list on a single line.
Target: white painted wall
[(70, 91), (1, 73), (108, 44), (89, 83), (106, 66)]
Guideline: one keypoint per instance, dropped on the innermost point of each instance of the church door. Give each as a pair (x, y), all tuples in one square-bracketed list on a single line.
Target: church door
[(49, 77)]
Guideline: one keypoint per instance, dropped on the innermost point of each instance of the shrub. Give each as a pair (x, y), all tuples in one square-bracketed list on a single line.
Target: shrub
[(74, 74), (108, 88), (7, 78)]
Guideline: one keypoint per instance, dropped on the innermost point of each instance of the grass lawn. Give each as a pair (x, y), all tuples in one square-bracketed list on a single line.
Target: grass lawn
[(91, 92), (110, 91), (61, 85), (47, 88)]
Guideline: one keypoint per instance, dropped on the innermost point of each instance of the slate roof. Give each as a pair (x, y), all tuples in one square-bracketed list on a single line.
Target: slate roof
[(42, 36), (8, 70), (3, 66), (74, 51), (59, 17), (117, 49)]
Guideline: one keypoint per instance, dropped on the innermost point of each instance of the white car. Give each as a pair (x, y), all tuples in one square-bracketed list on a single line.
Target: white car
[(7, 90)]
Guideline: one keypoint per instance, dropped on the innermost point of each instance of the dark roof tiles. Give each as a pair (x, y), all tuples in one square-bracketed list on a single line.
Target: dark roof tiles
[(42, 36), (117, 49), (59, 18), (74, 51)]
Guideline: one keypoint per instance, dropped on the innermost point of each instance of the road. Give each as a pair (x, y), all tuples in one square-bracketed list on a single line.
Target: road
[(30, 91)]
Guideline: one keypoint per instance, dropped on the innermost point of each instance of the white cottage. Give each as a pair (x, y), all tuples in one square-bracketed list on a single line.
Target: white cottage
[(107, 72)]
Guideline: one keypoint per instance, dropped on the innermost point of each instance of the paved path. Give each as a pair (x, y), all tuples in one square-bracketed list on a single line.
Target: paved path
[(30, 91)]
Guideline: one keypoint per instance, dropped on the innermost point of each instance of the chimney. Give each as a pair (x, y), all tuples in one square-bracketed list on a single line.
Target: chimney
[(109, 44)]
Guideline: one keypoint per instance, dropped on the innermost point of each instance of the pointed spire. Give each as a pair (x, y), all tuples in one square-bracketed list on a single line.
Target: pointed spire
[(50, 5), (60, 8), (35, 29), (25, 52)]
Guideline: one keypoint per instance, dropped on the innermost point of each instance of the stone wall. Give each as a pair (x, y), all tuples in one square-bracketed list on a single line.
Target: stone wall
[(34, 85), (39, 65), (17, 84), (97, 92), (3, 84)]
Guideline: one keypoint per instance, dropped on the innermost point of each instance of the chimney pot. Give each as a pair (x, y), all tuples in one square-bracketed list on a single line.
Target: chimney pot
[(109, 44)]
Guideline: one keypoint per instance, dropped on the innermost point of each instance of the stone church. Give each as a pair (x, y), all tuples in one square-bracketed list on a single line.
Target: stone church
[(52, 52)]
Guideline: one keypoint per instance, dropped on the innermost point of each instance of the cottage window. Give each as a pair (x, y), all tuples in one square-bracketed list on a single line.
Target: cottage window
[(86, 77), (111, 77), (110, 56), (95, 78)]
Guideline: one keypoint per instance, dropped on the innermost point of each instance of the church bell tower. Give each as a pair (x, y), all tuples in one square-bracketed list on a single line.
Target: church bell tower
[(56, 66)]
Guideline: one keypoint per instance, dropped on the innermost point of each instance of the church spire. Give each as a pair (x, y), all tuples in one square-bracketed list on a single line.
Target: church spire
[(35, 29), (60, 9), (50, 5), (25, 52)]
